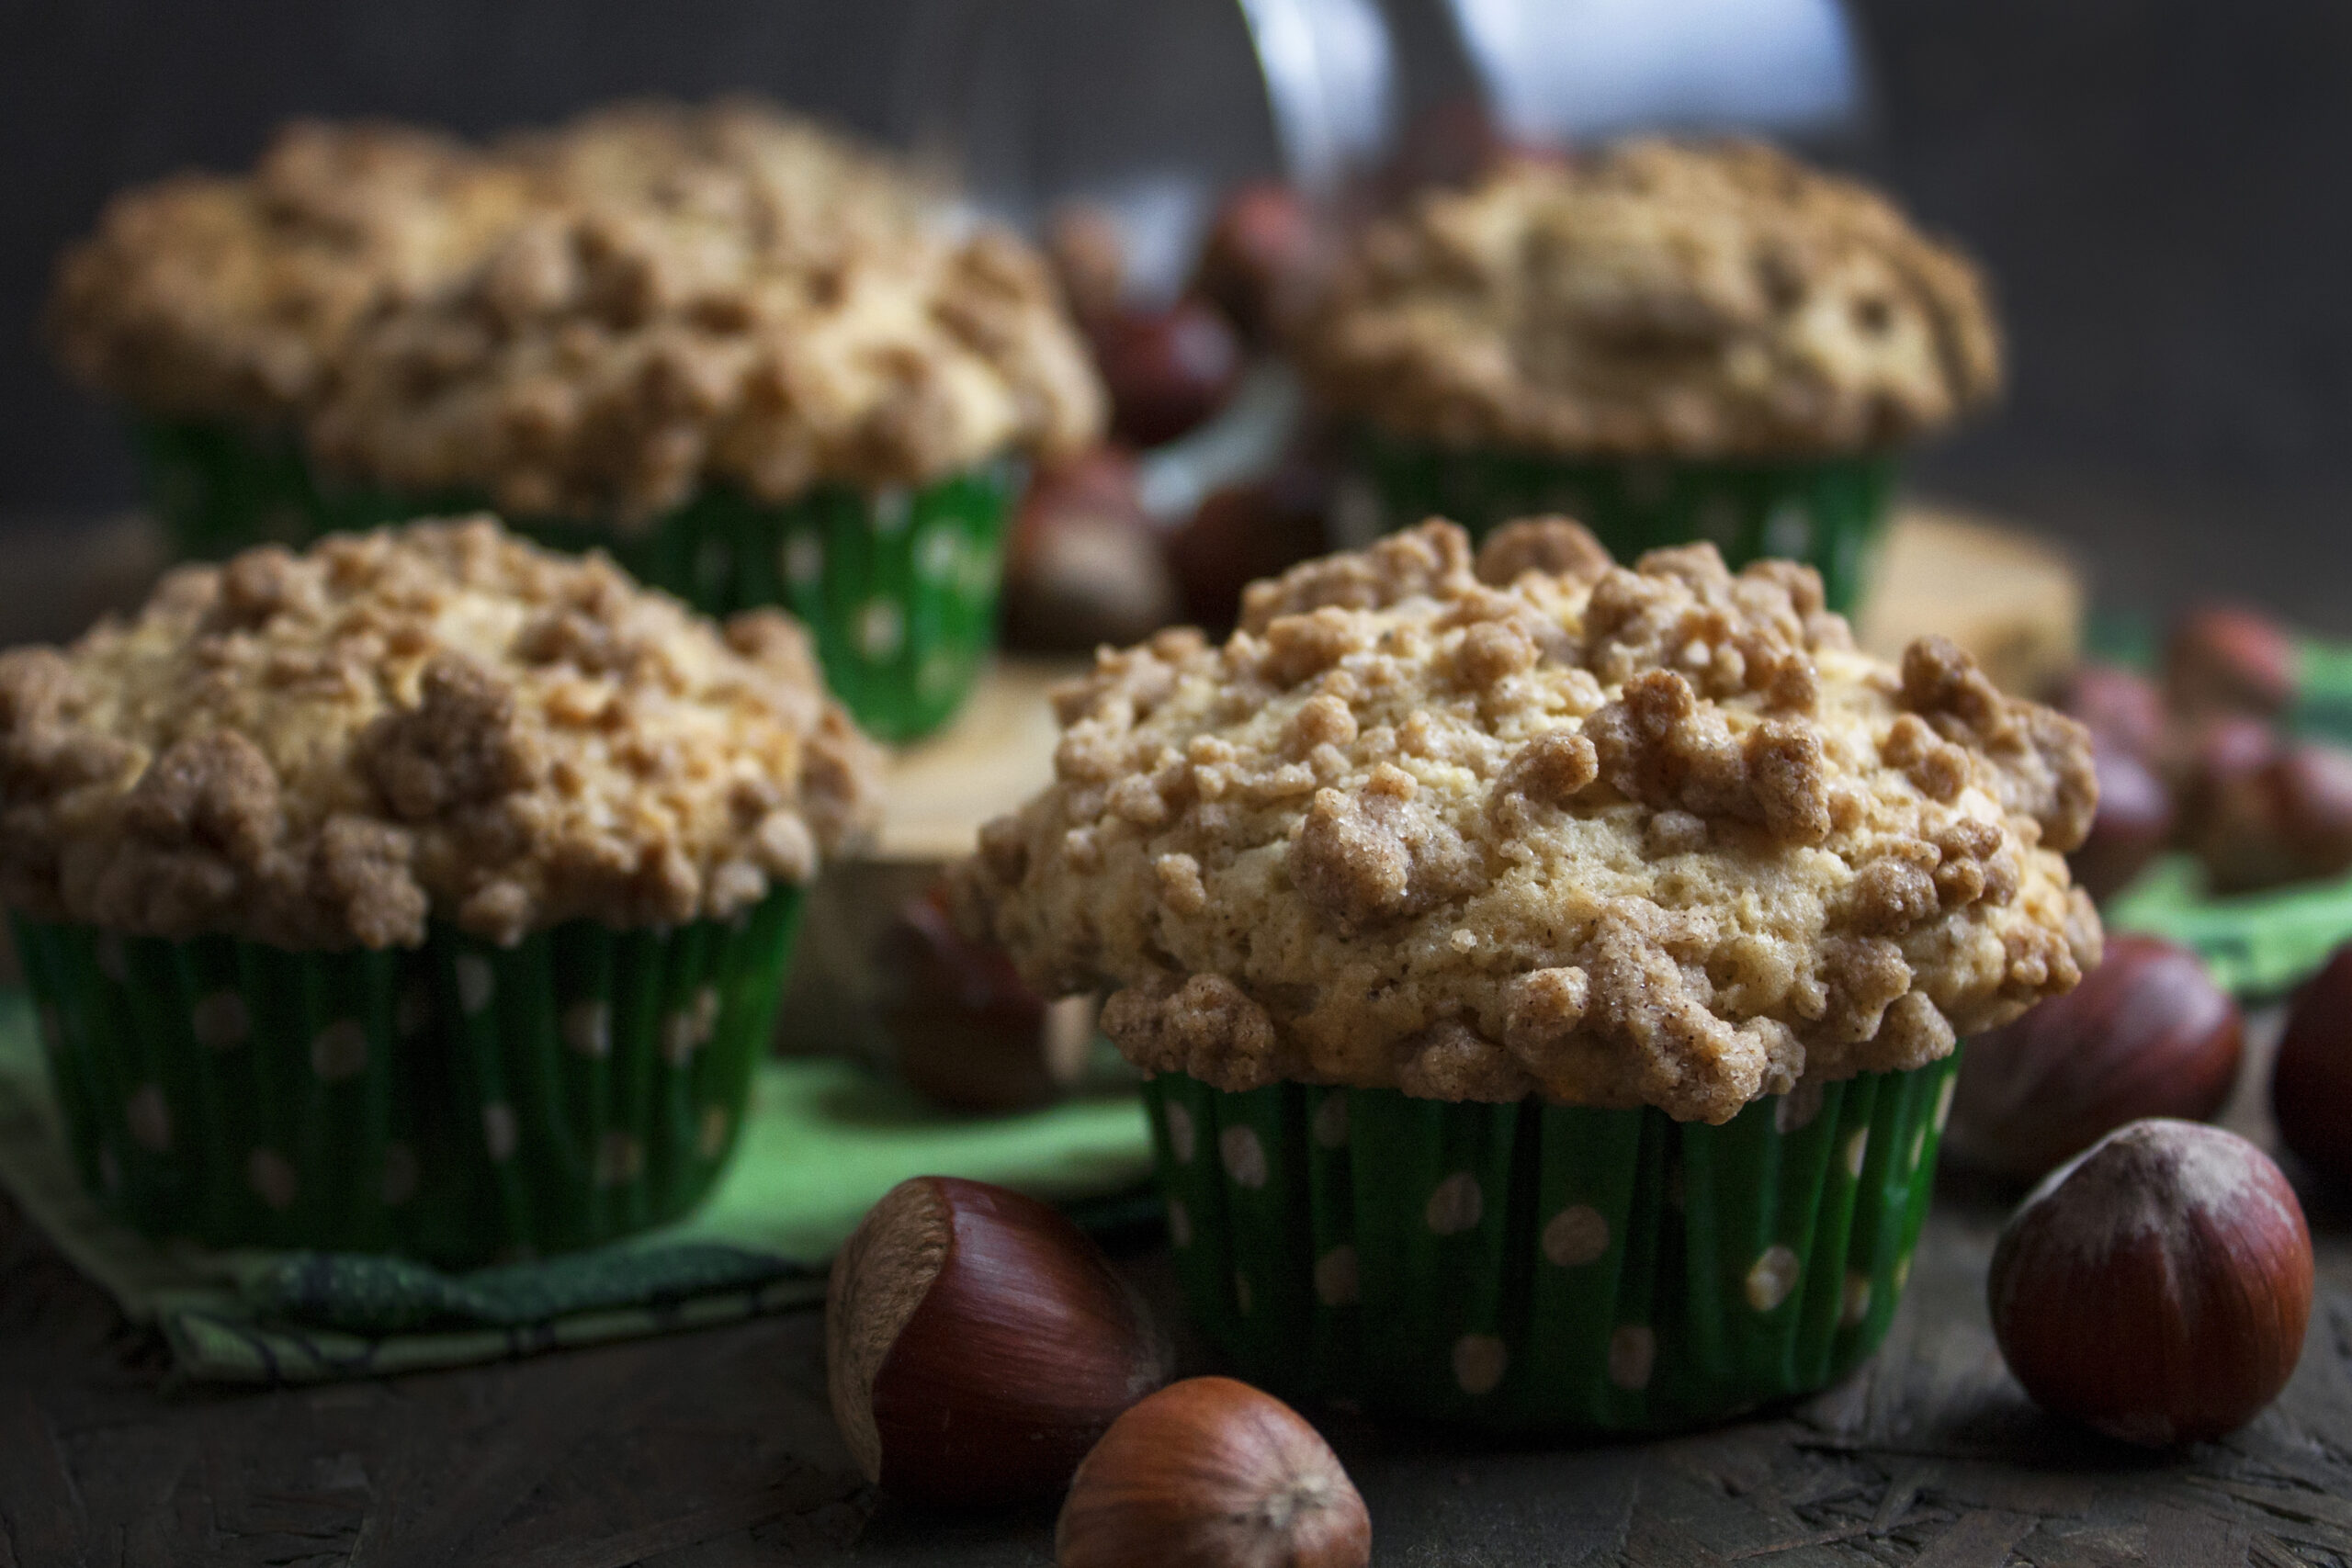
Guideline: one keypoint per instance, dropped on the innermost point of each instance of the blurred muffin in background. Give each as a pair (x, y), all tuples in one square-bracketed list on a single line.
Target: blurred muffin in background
[(1672, 342), (209, 307)]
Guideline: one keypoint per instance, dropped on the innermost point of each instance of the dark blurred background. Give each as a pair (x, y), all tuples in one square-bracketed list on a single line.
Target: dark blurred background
[(2159, 188)]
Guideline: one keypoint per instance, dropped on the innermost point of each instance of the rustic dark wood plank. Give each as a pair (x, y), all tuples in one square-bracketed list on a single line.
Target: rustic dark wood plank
[(1977, 1540), (39, 1515)]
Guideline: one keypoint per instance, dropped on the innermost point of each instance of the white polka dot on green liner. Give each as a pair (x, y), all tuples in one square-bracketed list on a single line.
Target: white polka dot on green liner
[(1576, 1236), (477, 983), (1772, 1277), (1479, 1363), (803, 559), (500, 1134), (712, 1137), (1180, 1224), (588, 1028), (218, 1021), (339, 1051), (937, 550), (690, 1028), (892, 507), (1943, 1101), (271, 1177), (1336, 1282), (1795, 1111), (1855, 1305), (1244, 1156), (1331, 1121), (401, 1173), (619, 1159), (1243, 1297), (1180, 1132), (881, 629), (1858, 1149), (1919, 1148), (1455, 1206), (940, 672), (149, 1116), (1633, 1350), (1787, 531)]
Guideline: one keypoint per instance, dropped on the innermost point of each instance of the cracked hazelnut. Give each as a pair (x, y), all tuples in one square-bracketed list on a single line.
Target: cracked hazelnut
[(1212, 1473), (2146, 1033), (2157, 1288), (977, 1343)]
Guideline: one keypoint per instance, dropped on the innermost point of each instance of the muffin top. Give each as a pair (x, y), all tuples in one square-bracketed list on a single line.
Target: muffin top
[(322, 750), (734, 299), (211, 296), (1662, 299), (1538, 823)]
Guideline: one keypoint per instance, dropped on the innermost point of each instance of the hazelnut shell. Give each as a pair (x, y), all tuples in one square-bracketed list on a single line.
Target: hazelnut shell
[(2311, 1088), (978, 1344), (2158, 1287)]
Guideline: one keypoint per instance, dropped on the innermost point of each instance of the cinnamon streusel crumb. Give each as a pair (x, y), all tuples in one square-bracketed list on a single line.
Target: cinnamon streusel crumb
[(1700, 848)]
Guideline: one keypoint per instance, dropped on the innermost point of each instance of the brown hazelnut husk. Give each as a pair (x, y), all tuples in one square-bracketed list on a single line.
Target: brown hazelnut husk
[(2228, 659), (2134, 822), (2311, 1088), (967, 1031), (2146, 1033), (2120, 707), (1262, 260), (2158, 1287), (1166, 370), (1212, 1473), (977, 1344)]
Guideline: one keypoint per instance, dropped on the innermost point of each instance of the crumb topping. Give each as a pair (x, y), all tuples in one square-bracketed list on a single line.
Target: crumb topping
[(1536, 823), (210, 297), (1660, 298), (322, 750)]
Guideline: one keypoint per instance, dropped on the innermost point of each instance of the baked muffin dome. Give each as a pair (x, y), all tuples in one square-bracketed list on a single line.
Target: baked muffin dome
[(322, 751), (1660, 298), (733, 297), (1541, 824), (213, 297)]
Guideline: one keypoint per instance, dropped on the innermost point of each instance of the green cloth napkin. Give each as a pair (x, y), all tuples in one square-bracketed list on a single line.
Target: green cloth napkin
[(823, 1141)]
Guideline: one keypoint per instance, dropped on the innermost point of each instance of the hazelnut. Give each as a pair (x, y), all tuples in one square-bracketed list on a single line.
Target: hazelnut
[(1089, 256), (1166, 370), (2157, 1287), (2311, 1088), (1211, 1473), (2133, 823), (1262, 260), (1084, 566), (1245, 532), (977, 1343), (2286, 820), (969, 1033), (2146, 1033), (2223, 658), (2118, 706)]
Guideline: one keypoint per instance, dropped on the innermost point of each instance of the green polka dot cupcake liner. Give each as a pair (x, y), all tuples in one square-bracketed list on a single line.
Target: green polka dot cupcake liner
[(218, 487), (459, 1102), (1828, 514), (1542, 1267), (899, 586)]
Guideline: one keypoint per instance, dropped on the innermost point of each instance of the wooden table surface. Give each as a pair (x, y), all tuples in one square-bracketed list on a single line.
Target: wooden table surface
[(715, 1449)]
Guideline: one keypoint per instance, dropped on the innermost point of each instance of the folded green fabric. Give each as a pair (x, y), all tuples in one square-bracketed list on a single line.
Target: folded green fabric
[(822, 1140)]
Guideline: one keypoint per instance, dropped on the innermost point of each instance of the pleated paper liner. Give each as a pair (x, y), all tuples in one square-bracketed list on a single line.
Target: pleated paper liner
[(459, 1102), (899, 586), (1545, 1268), (1826, 512), (218, 487)]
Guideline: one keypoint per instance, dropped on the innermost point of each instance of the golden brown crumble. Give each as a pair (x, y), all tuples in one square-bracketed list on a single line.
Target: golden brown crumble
[(1613, 836), (322, 750), (1660, 298)]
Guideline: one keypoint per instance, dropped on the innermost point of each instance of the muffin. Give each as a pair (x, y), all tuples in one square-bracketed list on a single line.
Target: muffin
[(1673, 341), (756, 364), (427, 892), (209, 306), (1549, 973)]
